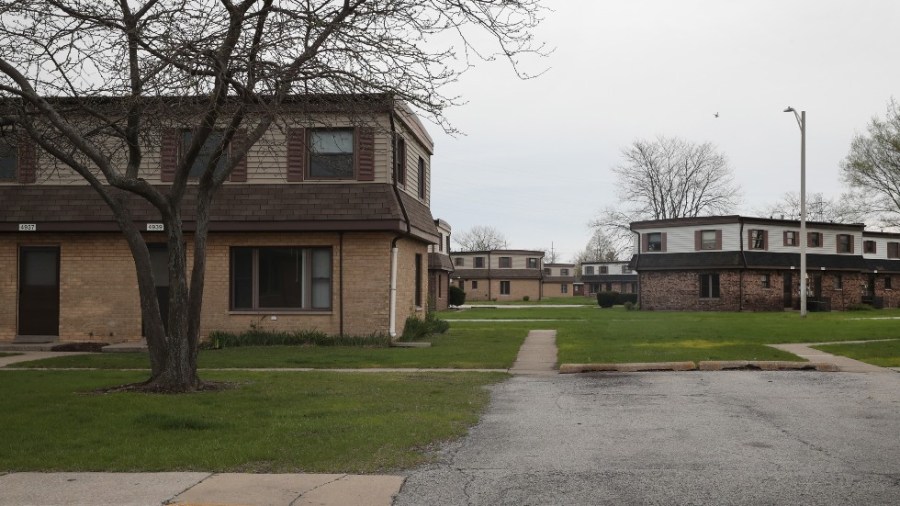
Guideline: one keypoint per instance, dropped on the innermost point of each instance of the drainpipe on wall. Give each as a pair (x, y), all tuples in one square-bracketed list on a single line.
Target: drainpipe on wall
[(392, 315), (392, 318)]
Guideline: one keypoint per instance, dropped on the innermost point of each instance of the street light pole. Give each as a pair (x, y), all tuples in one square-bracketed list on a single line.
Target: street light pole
[(801, 121)]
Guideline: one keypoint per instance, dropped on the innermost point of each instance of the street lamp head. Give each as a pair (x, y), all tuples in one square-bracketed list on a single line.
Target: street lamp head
[(789, 109)]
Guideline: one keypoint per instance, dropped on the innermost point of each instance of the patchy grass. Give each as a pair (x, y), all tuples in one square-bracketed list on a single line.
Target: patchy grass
[(546, 301), (464, 346), (882, 353), (270, 423)]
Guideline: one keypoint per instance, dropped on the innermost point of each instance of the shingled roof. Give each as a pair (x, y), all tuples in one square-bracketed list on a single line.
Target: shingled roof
[(240, 207)]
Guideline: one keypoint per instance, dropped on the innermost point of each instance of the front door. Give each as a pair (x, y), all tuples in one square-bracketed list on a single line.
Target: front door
[(788, 289), (159, 264), (39, 291)]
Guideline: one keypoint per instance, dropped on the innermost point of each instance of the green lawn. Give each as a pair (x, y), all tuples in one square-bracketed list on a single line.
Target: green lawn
[(271, 422), (592, 335), (4, 354), (546, 301), (883, 354), (465, 346)]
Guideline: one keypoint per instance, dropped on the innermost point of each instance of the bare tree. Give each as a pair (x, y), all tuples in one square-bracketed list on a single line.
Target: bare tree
[(873, 166), (600, 248), (480, 238), (848, 208), (668, 178), (91, 82)]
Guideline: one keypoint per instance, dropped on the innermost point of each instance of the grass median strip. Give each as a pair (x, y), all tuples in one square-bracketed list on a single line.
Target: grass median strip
[(270, 422), (882, 353)]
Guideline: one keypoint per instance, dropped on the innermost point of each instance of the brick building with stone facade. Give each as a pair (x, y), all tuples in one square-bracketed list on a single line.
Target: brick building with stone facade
[(499, 274), (301, 236), (614, 276), (738, 263)]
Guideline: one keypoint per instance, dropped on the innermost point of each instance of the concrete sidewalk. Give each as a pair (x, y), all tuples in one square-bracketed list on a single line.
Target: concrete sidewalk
[(142, 489), (537, 355), (843, 364)]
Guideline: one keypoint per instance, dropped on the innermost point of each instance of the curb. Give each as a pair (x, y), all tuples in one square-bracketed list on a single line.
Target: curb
[(717, 365)]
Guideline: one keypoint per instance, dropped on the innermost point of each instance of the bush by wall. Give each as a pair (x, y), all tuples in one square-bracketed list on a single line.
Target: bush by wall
[(416, 329), (456, 296), (258, 337), (610, 299)]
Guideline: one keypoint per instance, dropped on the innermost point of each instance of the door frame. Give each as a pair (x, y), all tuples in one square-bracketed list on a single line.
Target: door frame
[(20, 306)]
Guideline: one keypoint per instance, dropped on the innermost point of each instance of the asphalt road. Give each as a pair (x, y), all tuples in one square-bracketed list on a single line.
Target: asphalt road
[(738, 437)]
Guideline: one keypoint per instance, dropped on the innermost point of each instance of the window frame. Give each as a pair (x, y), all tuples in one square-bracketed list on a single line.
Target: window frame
[(843, 243), (651, 242), (459, 262), (423, 187), (870, 247), (310, 154), (604, 269), (766, 280), (505, 288), (563, 288), (838, 281), (710, 285), (819, 239), (563, 271), (474, 284), (308, 280), (757, 239), (706, 243), (791, 238), (888, 284), (533, 263), (504, 262), (478, 263), (400, 165), (893, 249), (187, 137), (588, 270)]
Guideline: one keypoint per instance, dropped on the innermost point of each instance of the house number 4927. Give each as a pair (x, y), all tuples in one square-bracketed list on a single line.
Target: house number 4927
[(27, 227)]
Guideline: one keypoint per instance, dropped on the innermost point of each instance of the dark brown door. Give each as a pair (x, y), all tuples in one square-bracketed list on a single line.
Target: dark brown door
[(788, 289), (159, 264), (39, 291)]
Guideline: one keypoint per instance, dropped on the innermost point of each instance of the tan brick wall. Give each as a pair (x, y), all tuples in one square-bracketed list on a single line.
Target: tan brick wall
[(518, 288), (480, 293), (438, 288), (99, 297), (555, 290)]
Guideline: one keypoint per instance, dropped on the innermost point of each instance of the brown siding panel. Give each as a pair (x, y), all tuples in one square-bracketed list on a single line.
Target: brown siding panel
[(238, 142), (296, 154), (168, 155), (365, 154)]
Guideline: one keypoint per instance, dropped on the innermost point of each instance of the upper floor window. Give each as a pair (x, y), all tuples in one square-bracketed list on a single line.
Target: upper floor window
[(207, 151), (625, 269), (532, 263), (564, 272), (844, 243), (331, 153), (589, 270), (654, 241), (814, 239), (479, 262), (505, 262), (604, 269), (459, 261), (790, 238), (758, 239), (547, 271), (9, 159), (869, 247), (709, 239), (893, 250), (422, 181)]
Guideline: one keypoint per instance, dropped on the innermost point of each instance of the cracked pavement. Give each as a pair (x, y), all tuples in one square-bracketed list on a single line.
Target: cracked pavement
[(736, 437)]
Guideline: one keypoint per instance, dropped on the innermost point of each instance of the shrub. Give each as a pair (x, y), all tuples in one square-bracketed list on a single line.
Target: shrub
[(88, 346), (416, 329), (526, 298), (456, 296), (258, 337), (630, 306), (860, 307), (607, 299), (625, 298)]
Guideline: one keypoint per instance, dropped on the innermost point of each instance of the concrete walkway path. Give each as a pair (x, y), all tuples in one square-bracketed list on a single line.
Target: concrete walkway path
[(35, 355), (844, 364), (537, 356), (224, 489)]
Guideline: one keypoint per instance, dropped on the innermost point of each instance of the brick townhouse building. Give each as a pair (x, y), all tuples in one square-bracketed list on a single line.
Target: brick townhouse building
[(498, 274), (301, 236), (440, 267), (613, 276), (558, 280), (734, 263)]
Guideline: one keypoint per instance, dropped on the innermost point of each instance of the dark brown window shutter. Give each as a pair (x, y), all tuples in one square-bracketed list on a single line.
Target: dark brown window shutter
[(401, 161), (765, 240), (27, 160), (645, 242), (698, 240), (296, 154), (365, 154), (784, 236), (238, 143), (718, 239), (168, 154), (663, 248), (852, 243)]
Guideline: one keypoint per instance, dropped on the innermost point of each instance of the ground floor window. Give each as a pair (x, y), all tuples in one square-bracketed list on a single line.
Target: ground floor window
[(709, 286), (838, 281), (766, 281), (887, 283), (563, 288), (474, 285), (504, 288), (280, 278)]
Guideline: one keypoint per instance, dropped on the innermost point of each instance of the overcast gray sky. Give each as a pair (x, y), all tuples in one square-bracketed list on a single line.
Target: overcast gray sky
[(535, 161)]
